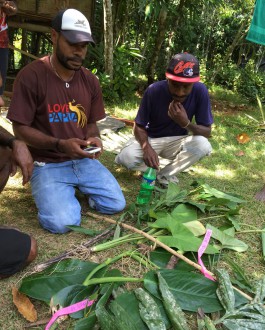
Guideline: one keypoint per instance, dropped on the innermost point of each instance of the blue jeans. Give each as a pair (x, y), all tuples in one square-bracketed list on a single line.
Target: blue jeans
[(53, 188)]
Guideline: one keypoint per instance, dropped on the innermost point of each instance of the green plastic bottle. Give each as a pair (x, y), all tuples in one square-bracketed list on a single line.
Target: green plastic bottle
[(147, 186)]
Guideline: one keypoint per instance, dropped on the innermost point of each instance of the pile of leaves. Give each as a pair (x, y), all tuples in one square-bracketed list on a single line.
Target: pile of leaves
[(179, 220)]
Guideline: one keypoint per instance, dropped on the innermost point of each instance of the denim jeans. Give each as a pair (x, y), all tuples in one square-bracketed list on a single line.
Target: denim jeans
[(53, 188)]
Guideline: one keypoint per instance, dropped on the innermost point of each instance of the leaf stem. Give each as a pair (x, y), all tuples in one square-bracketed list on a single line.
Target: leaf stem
[(101, 280), (106, 263)]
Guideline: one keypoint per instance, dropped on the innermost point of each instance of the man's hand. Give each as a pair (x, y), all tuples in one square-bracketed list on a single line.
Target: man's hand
[(177, 112), (74, 147), (21, 157), (95, 142), (150, 157)]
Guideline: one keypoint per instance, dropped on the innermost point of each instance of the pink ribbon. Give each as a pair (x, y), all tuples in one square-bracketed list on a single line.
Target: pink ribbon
[(69, 310), (201, 250)]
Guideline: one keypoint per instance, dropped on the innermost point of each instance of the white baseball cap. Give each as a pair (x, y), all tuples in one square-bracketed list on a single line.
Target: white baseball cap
[(73, 25)]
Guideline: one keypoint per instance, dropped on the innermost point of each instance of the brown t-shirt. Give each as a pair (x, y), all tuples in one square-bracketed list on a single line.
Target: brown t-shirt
[(41, 100)]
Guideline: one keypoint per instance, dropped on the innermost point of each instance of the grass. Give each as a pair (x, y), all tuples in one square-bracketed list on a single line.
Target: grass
[(232, 167)]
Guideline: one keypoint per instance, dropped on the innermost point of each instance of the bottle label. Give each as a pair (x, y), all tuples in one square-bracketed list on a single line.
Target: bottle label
[(149, 182)]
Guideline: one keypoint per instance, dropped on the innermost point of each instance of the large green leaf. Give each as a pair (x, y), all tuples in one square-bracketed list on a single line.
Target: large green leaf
[(202, 207), (209, 192), (163, 222), (105, 319), (191, 290), (44, 285), (243, 324), (227, 241), (126, 310), (184, 240), (225, 291), (86, 323), (184, 213), (71, 295), (196, 227), (149, 310), (161, 258)]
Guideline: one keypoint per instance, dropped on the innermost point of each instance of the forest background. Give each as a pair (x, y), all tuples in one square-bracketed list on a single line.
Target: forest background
[(136, 38)]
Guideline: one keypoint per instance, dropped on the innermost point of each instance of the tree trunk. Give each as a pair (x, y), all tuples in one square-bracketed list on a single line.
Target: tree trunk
[(108, 38), (24, 59), (159, 40)]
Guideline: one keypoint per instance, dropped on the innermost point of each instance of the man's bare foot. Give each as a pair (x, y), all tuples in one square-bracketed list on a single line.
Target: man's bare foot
[(2, 102)]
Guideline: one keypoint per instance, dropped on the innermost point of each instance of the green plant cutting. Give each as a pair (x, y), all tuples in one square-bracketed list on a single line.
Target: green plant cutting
[(175, 221)]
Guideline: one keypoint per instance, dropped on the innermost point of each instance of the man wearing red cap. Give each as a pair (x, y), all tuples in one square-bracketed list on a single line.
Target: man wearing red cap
[(166, 136), (55, 107)]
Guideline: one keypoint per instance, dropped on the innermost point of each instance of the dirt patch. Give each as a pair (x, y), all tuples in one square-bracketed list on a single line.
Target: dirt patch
[(229, 108)]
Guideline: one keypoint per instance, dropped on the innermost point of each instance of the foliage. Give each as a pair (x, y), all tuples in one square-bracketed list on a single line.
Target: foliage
[(207, 28), (124, 80), (164, 293), (228, 74), (250, 83), (165, 290)]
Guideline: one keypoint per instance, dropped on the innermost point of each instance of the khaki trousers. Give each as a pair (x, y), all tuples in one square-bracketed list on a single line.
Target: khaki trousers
[(176, 153)]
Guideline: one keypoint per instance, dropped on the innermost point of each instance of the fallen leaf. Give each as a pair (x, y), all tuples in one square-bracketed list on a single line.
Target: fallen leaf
[(240, 153), (24, 305), (243, 138)]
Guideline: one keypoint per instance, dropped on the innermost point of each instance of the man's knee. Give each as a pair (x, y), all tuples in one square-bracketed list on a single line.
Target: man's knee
[(117, 206), (57, 224), (200, 145), (109, 206), (127, 158)]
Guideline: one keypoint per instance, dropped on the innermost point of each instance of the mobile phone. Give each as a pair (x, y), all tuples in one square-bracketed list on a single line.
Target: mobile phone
[(92, 150)]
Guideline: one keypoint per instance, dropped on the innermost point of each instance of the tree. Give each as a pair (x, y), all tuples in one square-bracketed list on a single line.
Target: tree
[(108, 38)]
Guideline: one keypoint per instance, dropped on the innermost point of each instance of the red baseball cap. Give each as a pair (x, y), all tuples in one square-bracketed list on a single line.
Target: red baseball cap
[(183, 67)]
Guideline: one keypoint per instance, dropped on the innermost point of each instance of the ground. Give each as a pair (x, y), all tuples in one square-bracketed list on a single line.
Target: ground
[(225, 170)]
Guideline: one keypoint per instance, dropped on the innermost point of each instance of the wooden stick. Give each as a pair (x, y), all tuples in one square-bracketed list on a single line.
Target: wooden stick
[(23, 52), (164, 246)]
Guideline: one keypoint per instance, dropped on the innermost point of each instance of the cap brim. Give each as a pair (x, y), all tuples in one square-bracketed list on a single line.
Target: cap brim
[(182, 79), (75, 37)]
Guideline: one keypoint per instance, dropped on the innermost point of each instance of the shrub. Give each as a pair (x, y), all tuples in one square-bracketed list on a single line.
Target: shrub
[(250, 83)]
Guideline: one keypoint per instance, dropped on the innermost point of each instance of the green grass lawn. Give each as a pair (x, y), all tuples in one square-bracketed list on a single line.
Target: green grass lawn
[(233, 168)]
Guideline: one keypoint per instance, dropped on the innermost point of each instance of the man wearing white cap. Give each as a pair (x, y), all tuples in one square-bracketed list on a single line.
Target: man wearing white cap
[(54, 109), (164, 128)]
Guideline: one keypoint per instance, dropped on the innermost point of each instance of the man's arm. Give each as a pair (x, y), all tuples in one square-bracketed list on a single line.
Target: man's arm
[(35, 138), (20, 154), (5, 138), (199, 130), (150, 157)]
